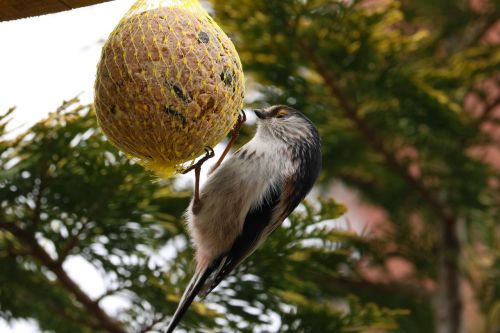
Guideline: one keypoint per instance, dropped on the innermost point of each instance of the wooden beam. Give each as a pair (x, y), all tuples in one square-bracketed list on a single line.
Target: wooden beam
[(17, 9)]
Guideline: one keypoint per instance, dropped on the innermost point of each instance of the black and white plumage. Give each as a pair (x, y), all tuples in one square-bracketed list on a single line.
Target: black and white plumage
[(249, 196)]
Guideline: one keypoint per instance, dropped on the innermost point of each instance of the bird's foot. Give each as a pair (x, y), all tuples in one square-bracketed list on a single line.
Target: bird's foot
[(209, 153), (235, 132), (242, 117)]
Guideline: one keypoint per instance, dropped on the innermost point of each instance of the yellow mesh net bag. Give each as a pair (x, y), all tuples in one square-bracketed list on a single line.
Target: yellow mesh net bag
[(169, 83)]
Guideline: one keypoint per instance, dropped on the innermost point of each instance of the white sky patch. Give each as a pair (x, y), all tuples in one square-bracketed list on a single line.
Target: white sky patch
[(19, 326), (47, 59), (85, 275)]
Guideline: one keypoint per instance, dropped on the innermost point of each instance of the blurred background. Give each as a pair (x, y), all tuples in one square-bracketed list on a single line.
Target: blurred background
[(400, 234)]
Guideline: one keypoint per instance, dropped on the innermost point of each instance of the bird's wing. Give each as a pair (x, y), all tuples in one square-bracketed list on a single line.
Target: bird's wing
[(259, 223), (295, 188), (257, 220)]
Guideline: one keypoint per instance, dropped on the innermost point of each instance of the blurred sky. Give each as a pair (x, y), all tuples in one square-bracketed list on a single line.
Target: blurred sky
[(50, 58)]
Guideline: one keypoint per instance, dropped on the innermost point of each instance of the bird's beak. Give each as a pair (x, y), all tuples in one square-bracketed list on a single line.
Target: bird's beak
[(259, 113)]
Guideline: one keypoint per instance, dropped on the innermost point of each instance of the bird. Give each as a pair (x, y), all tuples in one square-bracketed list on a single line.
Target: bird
[(248, 196)]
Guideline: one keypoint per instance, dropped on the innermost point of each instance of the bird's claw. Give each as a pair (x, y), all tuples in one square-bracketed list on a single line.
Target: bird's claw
[(209, 153), (242, 117)]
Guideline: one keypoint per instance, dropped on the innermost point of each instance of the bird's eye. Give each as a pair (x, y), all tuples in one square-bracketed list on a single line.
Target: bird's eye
[(281, 114)]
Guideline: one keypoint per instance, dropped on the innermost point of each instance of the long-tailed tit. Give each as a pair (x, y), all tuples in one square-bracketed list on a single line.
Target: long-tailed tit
[(249, 196)]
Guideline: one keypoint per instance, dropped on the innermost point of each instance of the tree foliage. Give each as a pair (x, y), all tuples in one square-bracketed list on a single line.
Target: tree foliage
[(387, 83)]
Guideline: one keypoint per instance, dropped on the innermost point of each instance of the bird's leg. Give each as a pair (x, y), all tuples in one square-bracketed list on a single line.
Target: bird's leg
[(235, 132), (209, 153)]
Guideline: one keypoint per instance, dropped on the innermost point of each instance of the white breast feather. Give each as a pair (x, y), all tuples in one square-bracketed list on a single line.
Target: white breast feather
[(239, 184)]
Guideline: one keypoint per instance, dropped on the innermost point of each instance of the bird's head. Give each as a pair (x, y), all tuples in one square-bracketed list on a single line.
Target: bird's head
[(285, 123)]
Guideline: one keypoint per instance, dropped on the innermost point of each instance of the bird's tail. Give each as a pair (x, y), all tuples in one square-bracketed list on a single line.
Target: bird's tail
[(195, 285)]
